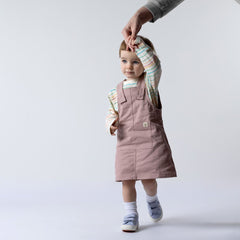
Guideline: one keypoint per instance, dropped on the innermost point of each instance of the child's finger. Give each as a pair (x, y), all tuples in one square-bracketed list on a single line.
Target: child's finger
[(129, 47), (113, 132), (129, 44)]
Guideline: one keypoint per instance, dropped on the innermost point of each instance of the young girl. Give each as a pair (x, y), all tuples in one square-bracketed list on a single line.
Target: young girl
[(142, 152)]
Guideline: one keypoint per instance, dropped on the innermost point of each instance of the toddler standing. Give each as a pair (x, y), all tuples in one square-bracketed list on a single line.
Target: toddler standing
[(142, 152)]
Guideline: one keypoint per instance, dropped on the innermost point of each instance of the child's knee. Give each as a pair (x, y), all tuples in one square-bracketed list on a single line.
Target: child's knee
[(149, 182)]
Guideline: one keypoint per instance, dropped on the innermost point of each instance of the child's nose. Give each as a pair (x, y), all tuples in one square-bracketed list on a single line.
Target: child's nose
[(130, 66)]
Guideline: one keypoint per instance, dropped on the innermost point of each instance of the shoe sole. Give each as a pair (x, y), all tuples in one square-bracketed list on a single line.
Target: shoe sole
[(156, 219), (129, 228)]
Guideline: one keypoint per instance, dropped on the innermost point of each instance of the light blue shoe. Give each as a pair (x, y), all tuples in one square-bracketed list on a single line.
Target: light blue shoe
[(130, 223), (155, 210)]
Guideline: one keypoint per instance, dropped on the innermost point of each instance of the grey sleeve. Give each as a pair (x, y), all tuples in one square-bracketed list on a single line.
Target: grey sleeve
[(159, 8)]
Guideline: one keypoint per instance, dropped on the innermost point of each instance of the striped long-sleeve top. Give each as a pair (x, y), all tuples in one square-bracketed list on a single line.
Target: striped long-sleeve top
[(153, 71)]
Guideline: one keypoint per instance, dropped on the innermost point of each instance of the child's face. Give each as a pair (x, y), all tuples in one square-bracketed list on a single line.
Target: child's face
[(131, 66)]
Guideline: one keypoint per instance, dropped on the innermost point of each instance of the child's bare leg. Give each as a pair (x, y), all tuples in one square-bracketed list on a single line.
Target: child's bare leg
[(150, 186), (129, 191)]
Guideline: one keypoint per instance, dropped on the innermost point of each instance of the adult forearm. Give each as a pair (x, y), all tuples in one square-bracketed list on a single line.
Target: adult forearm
[(144, 15), (160, 8)]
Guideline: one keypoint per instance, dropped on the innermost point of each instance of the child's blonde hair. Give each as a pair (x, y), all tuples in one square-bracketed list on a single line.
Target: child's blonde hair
[(146, 40)]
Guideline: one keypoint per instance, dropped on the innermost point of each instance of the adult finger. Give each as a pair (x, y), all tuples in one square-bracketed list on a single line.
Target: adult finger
[(136, 27), (134, 32), (128, 44), (126, 32)]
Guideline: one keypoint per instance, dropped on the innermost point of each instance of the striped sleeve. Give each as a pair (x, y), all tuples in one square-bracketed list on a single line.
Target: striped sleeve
[(112, 109), (152, 66)]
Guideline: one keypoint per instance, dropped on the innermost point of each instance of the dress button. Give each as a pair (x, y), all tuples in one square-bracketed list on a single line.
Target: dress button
[(145, 124)]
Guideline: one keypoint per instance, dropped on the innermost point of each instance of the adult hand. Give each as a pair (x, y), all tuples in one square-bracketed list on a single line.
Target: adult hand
[(130, 31), (134, 25)]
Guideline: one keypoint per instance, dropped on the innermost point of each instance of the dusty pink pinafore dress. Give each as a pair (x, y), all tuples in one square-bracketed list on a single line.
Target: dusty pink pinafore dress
[(142, 151)]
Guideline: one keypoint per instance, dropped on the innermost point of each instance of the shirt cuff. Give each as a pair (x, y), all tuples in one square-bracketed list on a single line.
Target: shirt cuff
[(155, 11)]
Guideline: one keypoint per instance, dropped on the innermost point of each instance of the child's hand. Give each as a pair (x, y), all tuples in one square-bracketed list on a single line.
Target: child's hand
[(112, 130), (114, 127), (132, 43)]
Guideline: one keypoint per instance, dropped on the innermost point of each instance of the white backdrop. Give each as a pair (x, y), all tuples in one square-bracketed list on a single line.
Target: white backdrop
[(59, 60)]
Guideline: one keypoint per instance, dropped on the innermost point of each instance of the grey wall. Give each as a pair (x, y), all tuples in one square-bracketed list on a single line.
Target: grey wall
[(59, 59)]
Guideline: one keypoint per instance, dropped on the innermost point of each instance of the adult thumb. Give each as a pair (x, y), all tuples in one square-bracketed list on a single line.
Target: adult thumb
[(134, 33), (135, 30)]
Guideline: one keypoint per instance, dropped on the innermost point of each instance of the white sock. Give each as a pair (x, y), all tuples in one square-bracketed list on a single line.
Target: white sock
[(130, 207), (151, 198)]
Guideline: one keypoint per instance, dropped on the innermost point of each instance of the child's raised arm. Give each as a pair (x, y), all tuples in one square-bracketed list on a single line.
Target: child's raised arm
[(151, 64)]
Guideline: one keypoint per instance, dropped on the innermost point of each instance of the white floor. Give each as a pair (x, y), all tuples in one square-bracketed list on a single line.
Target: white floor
[(199, 211)]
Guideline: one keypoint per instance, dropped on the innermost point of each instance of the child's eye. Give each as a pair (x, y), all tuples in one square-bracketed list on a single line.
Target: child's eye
[(124, 61), (135, 62)]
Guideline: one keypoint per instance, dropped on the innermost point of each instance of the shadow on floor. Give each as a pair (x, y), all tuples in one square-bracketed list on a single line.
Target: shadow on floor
[(191, 222)]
